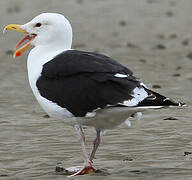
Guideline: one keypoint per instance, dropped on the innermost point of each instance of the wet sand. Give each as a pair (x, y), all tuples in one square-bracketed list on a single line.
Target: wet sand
[(153, 38)]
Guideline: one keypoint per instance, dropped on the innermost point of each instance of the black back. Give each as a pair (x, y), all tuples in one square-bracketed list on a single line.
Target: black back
[(84, 81)]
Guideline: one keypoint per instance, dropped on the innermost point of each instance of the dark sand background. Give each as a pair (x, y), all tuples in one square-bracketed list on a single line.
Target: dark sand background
[(154, 39)]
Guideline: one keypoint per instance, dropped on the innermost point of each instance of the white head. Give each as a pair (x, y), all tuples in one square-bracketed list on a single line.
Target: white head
[(49, 28), (45, 29)]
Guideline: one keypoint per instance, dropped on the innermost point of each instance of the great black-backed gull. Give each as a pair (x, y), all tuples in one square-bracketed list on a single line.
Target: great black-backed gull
[(78, 87)]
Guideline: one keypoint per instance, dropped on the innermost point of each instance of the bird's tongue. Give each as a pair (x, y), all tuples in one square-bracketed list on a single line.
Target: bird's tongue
[(19, 51)]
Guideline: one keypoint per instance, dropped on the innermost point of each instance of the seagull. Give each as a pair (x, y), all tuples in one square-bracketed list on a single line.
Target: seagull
[(79, 87)]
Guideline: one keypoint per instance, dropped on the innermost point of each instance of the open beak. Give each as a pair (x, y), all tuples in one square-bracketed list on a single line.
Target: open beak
[(30, 37)]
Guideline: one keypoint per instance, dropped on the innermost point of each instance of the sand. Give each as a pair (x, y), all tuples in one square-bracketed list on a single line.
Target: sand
[(151, 37)]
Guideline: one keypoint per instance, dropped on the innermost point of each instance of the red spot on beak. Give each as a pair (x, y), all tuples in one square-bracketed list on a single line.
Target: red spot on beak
[(18, 53)]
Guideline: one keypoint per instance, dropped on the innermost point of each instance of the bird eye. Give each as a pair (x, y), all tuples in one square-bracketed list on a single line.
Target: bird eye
[(38, 25)]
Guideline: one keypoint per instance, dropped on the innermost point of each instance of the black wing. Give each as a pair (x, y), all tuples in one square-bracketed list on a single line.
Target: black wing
[(73, 62), (156, 99), (84, 81)]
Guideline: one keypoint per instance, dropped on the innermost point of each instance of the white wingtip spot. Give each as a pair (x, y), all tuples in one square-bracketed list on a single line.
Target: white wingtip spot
[(142, 84), (90, 114), (139, 94), (121, 75)]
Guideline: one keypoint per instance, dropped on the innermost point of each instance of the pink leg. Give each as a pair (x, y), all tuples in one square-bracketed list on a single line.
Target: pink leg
[(87, 168), (96, 143), (81, 138)]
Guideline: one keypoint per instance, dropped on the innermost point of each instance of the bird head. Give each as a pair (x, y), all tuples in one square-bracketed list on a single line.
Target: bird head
[(43, 30)]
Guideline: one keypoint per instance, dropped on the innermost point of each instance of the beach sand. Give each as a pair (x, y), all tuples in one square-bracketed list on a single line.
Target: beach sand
[(151, 37)]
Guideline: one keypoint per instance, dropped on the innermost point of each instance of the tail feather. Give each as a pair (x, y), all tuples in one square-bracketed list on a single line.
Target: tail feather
[(156, 99)]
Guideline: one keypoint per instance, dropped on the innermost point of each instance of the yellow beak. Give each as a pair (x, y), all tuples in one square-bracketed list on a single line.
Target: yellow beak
[(16, 27)]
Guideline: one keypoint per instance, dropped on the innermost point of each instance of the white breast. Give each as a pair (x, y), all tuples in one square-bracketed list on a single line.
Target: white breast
[(38, 56)]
